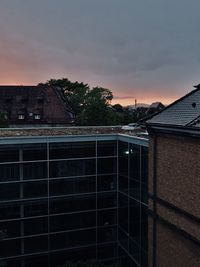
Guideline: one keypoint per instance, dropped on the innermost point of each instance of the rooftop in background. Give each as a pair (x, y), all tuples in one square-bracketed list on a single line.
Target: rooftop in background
[(34, 105), (184, 112), (70, 131)]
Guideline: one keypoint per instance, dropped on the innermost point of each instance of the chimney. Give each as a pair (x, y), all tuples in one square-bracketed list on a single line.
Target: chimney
[(197, 86)]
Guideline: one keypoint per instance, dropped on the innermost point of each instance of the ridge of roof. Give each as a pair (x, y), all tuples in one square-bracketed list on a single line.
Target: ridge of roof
[(18, 85)]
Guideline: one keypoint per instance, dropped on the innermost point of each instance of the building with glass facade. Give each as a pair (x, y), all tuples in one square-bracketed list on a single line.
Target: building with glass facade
[(72, 197)]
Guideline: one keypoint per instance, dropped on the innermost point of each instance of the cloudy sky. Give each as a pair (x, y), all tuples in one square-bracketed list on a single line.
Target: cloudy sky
[(144, 49)]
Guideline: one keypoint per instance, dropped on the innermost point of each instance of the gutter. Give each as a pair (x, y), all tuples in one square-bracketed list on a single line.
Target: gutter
[(173, 129)]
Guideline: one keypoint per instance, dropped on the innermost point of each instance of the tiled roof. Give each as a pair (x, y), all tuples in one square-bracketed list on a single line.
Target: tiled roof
[(156, 105), (183, 112)]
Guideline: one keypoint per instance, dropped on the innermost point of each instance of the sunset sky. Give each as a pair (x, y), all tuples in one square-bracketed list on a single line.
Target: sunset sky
[(143, 49)]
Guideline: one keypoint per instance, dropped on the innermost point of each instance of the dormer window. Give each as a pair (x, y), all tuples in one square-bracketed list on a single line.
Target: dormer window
[(37, 116), (21, 116)]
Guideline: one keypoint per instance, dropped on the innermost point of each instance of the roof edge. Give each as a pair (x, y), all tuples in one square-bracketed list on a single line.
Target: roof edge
[(170, 105), (173, 129)]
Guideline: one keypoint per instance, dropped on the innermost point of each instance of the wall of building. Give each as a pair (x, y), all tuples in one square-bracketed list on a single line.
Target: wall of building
[(174, 186), (59, 200)]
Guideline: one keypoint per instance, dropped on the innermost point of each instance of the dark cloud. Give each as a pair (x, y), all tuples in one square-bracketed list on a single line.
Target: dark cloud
[(134, 47)]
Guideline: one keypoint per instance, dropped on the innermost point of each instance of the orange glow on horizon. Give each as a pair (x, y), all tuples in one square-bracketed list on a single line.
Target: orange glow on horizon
[(131, 101)]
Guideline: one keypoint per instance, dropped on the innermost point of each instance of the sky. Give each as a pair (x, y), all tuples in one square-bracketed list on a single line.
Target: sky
[(147, 50)]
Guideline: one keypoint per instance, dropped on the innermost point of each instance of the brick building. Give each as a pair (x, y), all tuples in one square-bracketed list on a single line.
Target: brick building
[(174, 184), (34, 105)]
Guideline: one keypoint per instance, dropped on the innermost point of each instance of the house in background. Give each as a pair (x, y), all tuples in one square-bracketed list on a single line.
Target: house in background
[(34, 106), (155, 107), (174, 184)]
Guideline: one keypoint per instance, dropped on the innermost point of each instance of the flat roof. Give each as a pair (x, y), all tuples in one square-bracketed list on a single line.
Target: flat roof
[(69, 131)]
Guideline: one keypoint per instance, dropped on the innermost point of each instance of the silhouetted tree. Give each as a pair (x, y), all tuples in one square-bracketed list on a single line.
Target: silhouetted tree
[(91, 106)]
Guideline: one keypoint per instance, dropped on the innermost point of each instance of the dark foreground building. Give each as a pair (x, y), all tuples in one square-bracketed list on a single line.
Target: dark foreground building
[(174, 184), (34, 105), (72, 195)]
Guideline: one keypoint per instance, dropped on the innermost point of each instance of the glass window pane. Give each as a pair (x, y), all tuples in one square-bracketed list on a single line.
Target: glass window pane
[(9, 153), (135, 221), (9, 211), (123, 184), (72, 150), (106, 200), (36, 261), (72, 186), (125, 260), (73, 239), (135, 189), (106, 148), (107, 251), (72, 204), (34, 170), (35, 226), (107, 165), (107, 217), (123, 212), (9, 191), (10, 263), (144, 164), (9, 248), (35, 208), (123, 148), (34, 152), (107, 234), (144, 227), (144, 193), (72, 168), (134, 161), (74, 256), (135, 251), (10, 229), (107, 182), (123, 238), (123, 158), (9, 172), (35, 244), (72, 221), (35, 189)]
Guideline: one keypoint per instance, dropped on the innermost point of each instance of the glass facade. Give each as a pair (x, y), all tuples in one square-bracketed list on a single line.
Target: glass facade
[(132, 203), (63, 201)]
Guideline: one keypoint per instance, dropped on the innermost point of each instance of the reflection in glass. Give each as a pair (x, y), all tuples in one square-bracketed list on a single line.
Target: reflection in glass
[(72, 150), (106, 148), (69, 168)]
